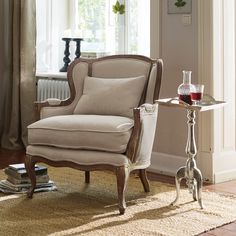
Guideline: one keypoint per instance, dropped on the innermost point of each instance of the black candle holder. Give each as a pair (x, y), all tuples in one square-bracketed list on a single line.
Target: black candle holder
[(66, 58), (77, 51)]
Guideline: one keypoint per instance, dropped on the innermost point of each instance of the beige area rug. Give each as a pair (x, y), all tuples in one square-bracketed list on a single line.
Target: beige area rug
[(80, 209)]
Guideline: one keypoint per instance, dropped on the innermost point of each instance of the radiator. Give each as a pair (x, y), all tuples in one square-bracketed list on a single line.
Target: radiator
[(51, 88)]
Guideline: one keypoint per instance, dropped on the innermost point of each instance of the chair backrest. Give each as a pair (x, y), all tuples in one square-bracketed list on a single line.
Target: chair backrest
[(117, 66)]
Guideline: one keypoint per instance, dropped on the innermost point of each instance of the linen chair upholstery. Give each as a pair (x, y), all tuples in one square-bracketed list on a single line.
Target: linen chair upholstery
[(108, 138)]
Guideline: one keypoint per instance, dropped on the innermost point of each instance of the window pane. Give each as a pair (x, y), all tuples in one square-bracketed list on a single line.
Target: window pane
[(93, 23), (138, 28), (108, 33)]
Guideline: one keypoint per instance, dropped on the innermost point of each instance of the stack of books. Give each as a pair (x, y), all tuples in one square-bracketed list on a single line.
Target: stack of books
[(17, 180)]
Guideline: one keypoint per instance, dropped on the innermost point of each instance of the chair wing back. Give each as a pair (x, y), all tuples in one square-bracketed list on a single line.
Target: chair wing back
[(117, 66)]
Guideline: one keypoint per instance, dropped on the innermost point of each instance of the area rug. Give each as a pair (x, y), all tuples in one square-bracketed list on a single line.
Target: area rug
[(81, 209)]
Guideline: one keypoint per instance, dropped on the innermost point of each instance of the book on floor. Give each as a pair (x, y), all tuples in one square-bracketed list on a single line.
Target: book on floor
[(17, 180), (26, 180), (5, 189), (18, 171), (20, 187)]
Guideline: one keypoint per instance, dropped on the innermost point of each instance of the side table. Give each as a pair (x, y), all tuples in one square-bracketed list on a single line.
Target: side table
[(190, 172)]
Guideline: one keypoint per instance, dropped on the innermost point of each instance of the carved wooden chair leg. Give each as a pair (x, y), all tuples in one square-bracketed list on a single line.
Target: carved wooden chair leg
[(122, 175), (29, 165), (144, 180), (87, 177)]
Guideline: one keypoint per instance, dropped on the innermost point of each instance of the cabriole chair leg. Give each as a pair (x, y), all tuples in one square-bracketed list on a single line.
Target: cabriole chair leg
[(144, 180), (29, 165), (122, 175), (87, 177)]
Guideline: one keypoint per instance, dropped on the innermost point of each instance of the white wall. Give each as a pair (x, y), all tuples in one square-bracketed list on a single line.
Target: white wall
[(179, 51)]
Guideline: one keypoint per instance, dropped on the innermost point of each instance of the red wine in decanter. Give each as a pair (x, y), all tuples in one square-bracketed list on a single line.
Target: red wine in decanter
[(185, 98)]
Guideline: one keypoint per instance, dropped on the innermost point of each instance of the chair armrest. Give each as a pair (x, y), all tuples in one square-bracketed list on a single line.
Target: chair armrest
[(139, 148), (135, 136), (53, 107)]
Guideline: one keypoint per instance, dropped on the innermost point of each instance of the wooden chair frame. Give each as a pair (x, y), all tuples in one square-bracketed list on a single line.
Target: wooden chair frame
[(122, 172)]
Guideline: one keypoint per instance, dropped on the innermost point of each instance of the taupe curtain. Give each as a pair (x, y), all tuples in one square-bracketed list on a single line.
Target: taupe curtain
[(17, 71)]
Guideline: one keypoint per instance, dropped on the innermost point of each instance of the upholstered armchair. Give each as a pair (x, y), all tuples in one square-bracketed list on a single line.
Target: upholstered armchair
[(108, 123)]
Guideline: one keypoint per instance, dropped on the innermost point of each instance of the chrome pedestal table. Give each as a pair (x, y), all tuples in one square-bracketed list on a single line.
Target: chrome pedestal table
[(190, 172)]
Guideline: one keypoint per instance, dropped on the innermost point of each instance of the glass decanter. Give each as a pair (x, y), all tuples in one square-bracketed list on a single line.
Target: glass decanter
[(185, 88)]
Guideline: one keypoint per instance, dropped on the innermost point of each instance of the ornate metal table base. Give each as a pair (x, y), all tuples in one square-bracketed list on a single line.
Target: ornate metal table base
[(190, 172)]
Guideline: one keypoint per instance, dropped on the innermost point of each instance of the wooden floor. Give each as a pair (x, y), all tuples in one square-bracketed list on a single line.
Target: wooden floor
[(10, 157)]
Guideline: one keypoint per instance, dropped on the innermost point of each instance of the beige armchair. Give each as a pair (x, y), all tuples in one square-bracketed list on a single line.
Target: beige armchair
[(108, 123)]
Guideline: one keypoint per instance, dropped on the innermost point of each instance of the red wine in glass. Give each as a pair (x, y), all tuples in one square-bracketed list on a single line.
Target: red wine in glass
[(196, 93), (196, 96)]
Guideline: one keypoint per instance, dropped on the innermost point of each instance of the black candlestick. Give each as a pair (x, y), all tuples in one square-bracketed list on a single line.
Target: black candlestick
[(66, 58), (77, 52)]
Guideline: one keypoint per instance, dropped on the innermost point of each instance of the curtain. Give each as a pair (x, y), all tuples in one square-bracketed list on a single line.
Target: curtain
[(17, 71)]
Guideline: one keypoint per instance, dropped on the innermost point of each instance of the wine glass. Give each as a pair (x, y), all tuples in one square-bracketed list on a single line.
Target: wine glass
[(196, 93)]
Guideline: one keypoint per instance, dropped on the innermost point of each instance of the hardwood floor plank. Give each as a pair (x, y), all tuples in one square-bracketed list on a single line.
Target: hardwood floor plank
[(206, 234), (222, 232), (227, 187), (230, 227)]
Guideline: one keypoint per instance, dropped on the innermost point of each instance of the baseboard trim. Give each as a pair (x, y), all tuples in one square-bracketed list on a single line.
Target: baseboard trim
[(225, 166), (224, 176), (167, 164), (163, 163)]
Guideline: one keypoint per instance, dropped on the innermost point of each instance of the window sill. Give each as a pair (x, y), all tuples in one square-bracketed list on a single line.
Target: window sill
[(52, 75)]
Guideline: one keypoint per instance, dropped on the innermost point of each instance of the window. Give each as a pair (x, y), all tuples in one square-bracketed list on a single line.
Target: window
[(103, 31)]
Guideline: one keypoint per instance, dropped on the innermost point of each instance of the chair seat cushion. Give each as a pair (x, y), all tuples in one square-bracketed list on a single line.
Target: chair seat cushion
[(81, 157), (90, 132)]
